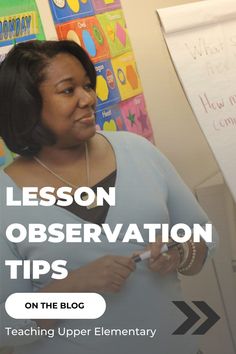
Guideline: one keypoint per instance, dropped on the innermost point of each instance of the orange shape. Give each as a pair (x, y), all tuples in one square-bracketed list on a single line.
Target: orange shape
[(2, 153), (131, 76)]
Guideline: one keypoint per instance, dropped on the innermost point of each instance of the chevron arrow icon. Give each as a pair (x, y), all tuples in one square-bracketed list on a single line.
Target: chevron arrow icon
[(193, 317), (212, 317)]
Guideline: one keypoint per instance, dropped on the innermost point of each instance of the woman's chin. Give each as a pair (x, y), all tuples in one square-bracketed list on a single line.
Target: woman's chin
[(87, 133)]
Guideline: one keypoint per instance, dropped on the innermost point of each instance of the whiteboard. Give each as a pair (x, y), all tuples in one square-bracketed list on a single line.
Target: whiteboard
[(201, 38)]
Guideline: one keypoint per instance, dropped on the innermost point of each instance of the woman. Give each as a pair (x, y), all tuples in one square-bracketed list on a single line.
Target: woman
[(47, 95)]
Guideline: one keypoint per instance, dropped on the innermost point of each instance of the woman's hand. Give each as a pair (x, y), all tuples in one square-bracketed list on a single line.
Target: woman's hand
[(106, 274), (163, 263)]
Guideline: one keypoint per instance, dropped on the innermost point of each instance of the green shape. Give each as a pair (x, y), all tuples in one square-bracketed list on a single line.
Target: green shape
[(131, 118), (98, 35)]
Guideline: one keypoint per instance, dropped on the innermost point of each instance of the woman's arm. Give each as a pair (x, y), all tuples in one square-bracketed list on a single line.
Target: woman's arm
[(8, 287), (182, 208)]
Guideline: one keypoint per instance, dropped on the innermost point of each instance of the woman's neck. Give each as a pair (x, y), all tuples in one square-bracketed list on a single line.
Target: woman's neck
[(54, 155)]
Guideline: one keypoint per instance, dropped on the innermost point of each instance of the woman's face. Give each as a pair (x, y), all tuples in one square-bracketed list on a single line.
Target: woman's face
[(68, 101)]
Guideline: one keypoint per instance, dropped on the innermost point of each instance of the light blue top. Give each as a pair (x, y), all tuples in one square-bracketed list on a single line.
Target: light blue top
[(148, 190)]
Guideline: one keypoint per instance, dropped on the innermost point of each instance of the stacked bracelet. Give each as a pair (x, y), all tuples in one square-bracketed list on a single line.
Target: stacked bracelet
[(183, 250), (183, 268)]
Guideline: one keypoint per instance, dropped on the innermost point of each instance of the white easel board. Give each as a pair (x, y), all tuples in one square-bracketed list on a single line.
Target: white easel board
[(201, 38)]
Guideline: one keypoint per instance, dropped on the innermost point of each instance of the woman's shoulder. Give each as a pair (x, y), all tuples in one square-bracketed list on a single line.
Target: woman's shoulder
[(127, 138), (3, 178), (139, 147), (17, 171), (134, 143), (18, 164)]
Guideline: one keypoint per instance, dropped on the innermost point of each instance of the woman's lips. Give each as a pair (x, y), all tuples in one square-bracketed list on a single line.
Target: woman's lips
[(87, 120)]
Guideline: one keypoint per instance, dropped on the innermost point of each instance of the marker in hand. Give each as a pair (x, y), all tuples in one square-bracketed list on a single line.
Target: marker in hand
[(146, 255)]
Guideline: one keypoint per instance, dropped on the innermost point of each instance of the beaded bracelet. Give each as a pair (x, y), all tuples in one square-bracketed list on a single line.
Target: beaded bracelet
[(183, 249), (189, 265)]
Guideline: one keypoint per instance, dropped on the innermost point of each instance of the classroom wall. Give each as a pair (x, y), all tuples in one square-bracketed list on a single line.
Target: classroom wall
[(178, 135), (176, 131)]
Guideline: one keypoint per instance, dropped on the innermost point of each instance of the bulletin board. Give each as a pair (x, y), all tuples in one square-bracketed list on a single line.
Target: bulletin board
[(99, 26), (201, 38)]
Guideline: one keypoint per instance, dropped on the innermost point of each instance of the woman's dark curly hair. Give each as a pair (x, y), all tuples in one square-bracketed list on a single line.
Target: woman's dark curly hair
[(21, 73)]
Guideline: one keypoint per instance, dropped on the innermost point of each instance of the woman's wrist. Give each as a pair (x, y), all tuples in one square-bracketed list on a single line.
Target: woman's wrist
[(194, 257), (183, 249), (190, 253)]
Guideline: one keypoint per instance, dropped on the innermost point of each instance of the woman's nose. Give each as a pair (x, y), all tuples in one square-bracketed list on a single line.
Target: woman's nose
[(86, 98)]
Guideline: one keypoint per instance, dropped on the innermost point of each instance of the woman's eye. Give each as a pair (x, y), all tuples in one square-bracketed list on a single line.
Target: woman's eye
[(88, 86), (68, 90)]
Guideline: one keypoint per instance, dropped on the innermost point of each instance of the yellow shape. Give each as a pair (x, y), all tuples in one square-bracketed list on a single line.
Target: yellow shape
[(72, 35), (102, 88), (111, 33), (110, 126), (74, 5), (84, 1), (107, 2)]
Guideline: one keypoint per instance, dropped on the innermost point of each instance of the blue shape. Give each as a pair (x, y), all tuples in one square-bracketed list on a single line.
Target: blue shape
[(2, 160), (89, 43)]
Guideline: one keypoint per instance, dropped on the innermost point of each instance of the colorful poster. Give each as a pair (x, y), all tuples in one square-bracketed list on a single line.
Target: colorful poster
[(19, 21), (114, 27), (107, 90), (135, 116), (105, 37), (110, 119), (105, 5), (127, 77), (66, 10), (88, 33)]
